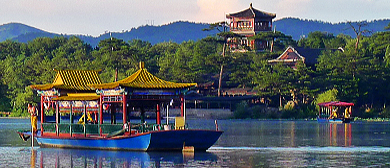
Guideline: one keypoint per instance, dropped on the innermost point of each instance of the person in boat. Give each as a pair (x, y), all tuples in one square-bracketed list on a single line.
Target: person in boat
[(89, 119), (34, 119), (334, 114), (346, 113)]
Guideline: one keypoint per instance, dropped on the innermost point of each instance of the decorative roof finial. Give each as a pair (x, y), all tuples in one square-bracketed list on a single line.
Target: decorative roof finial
[(250, 5), (141, 65)]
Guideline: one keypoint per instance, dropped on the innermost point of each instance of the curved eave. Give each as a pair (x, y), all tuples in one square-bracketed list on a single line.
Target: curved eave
[(73, 87), (51, 86), (251, 12), (105, 85), (42, 87), (76, 98), (159, 86)]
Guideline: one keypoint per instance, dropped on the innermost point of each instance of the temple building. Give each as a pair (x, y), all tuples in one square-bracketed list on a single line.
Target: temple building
[(292, 55), (248, 23)]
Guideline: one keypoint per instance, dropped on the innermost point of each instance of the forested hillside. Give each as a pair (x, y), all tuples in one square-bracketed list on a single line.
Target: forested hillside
[(13, 30), (360, 74), (298, 28), (183, 31), (175, 32)]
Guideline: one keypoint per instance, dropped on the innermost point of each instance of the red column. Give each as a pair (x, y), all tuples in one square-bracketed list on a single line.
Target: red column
[(42, 113), (158, 116), (124, 109), (182, 105), (57, 118), (101, 110)]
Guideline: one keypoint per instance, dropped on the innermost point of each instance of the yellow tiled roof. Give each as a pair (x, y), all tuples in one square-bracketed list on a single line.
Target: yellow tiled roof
[(142, 79), (72, 80)]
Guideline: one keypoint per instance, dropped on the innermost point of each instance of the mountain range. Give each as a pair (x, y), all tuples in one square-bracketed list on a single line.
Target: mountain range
[(183, 31)]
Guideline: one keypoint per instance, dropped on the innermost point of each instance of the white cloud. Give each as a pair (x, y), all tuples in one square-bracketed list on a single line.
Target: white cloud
[(292, 8), (215, 10)]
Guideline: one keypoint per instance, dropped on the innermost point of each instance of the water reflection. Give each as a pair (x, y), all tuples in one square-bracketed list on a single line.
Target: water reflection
[(252, 133), (338, 134), (53, 157)]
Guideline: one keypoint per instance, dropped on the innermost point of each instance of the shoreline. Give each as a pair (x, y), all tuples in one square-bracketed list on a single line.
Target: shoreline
[(14, 117), (357, 119)]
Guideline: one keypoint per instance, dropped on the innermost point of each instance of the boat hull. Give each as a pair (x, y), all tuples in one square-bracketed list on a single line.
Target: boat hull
[(335, 120), (201, 140)]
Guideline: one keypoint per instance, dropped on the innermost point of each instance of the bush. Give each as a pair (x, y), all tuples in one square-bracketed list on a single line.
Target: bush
[(242, 110), (385, 113), (371, 113), (299, 111)]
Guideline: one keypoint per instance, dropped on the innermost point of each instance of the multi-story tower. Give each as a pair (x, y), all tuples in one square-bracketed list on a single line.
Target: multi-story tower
[(247, 23)]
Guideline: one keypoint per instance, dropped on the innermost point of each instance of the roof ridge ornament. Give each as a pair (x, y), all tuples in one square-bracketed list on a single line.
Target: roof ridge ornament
[(250, 5), (141, 65)]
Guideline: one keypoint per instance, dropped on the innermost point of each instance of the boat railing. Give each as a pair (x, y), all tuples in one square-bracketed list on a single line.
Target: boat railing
[(151, 127), (91, 129), (49, 127), (109, 128), (94, 129)]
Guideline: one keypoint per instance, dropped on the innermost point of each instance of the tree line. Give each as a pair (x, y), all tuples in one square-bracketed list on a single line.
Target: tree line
[(360, 74)]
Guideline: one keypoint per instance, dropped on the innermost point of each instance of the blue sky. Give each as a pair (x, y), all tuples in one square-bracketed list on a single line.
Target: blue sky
[(94, 17)]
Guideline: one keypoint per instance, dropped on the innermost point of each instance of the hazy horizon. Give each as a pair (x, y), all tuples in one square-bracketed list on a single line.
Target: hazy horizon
[(95, 17)]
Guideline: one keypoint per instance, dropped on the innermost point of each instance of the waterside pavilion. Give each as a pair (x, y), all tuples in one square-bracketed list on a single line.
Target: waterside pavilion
[(78, 91)]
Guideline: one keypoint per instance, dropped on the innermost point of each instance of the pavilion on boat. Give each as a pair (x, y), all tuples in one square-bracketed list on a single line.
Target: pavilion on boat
[(81, 93), (69, 93), (335, 110)]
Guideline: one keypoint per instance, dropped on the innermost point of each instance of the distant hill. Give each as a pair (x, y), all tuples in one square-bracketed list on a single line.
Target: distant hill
[(298, 28), (183, 31), (175, 32), (13, 30)]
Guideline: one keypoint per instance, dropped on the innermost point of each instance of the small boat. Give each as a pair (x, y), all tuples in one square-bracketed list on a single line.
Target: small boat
[(335, 112), (86, 102)]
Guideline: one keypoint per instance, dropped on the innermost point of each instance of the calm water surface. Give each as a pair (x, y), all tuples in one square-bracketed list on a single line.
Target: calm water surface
[(244, 143)]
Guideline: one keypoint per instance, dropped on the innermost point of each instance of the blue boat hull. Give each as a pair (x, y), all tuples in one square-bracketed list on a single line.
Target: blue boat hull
[(336, 120), (201, 140)]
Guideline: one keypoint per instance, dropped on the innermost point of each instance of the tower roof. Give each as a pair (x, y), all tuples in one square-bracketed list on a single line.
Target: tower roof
[(252, 12)]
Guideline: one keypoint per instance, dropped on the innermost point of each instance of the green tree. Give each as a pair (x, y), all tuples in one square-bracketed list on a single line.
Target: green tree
[(165, 58), (279, 41), (114, 54), (241, 69), (387, 27), (359, 31), (319, 39), (271, 80), (327, 96), (222, 28), (387, 57)]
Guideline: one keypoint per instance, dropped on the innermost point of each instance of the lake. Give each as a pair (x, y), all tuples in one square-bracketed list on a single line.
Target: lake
[(244, 143)]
